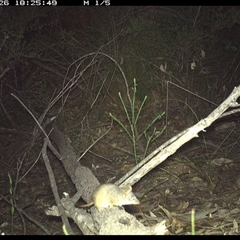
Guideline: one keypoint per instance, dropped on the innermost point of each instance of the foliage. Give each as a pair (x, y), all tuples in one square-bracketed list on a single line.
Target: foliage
[(145, 37), (12, 208), (132, 128)]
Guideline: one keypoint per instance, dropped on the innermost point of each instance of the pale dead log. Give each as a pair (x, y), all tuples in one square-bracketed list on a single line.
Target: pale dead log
[(108, 221)]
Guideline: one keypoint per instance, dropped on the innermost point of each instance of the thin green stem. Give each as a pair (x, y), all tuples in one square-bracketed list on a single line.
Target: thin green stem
[(132, 119)]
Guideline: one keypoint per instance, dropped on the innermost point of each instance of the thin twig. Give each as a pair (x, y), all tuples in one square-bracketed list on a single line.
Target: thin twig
[(54, 187), (95, 142), (31, 115)]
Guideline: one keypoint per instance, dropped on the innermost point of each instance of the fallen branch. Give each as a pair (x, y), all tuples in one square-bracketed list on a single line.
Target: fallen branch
[(172, 145)]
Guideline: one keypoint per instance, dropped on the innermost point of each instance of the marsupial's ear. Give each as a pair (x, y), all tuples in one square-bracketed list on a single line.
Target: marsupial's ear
[(127, 189)]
